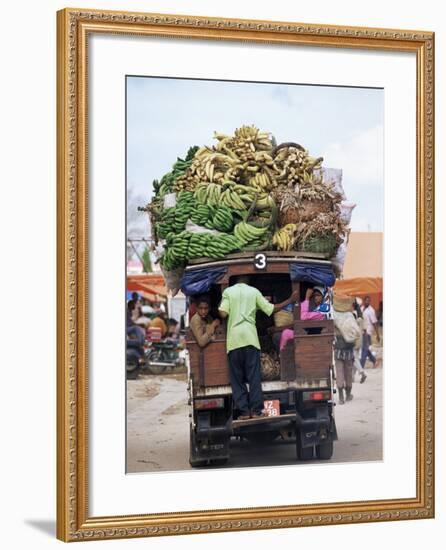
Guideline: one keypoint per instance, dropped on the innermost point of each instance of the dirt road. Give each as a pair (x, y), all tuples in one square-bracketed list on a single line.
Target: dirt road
[(158, 427)]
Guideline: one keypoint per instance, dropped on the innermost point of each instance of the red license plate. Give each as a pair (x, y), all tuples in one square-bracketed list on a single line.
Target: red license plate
[(272, 408)]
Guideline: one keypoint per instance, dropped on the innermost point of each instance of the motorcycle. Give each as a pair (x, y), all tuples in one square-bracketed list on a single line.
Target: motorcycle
[(160, 355)]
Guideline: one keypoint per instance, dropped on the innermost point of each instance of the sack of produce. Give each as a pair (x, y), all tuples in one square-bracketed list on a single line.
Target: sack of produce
[(194, 228), (346, 209), (342, 303), (283, 318), (173, 279), (170, 200), (332, 177), (339, 260), (346, 324)]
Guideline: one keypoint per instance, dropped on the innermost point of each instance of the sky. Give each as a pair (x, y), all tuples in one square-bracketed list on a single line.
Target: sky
[(166, 116)]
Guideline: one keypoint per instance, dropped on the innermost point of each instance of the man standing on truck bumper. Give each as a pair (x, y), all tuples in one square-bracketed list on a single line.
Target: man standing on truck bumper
[(240, 303)]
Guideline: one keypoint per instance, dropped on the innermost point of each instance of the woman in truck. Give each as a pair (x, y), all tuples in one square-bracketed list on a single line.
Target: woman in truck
[(308, 312), (202, 325)]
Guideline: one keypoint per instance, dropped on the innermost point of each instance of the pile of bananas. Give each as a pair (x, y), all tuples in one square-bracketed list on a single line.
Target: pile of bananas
[(285, 238), (249, 190)]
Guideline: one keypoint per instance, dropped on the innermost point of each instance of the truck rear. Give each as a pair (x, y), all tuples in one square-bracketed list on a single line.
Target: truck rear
[(298, 394)]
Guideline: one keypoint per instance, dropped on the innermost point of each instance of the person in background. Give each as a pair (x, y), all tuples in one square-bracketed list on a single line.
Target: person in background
[(346, 334), (370, 327), (173, 328), (239, 304), (357, 314), (137, 310), (159, 322), (202, 325), (133, 330)]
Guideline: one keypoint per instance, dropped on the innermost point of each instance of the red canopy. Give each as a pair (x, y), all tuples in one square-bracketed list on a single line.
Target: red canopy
[(150, 285), (362, 286)]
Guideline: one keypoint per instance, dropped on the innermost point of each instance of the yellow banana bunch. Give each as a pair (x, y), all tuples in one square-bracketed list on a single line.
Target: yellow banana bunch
[(260, 182), (285, 237)]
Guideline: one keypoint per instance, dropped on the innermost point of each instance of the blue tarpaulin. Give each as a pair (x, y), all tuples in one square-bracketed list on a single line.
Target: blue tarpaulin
[(313, 273), (201, 280)]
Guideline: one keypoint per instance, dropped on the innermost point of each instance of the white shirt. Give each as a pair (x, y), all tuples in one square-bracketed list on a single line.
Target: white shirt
[(370, 319)]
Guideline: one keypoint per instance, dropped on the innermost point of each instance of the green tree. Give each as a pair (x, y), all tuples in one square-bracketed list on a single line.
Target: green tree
[(146, 261)]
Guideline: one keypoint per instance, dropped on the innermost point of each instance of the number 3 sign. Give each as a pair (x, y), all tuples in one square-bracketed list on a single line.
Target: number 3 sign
[(260, 261)]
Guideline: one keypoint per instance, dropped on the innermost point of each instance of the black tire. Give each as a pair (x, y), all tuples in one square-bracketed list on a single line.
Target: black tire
[(303, 453), (153, 357), (324, 451), (132, 367)]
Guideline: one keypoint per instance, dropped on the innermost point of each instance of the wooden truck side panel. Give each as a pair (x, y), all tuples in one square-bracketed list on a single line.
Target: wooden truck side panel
[(208, 365)]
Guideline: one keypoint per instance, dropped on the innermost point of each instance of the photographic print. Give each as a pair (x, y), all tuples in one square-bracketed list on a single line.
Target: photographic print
[(234, 241), (254, 298)]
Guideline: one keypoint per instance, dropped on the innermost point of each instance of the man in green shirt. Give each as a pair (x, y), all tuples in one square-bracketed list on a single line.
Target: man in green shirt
[(240, 303)]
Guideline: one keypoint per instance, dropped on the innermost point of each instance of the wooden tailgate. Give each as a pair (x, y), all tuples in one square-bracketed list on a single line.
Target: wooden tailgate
[(313, 348)]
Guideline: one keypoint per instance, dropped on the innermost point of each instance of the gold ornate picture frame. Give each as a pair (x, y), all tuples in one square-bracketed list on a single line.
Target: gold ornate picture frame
[(75, 27)]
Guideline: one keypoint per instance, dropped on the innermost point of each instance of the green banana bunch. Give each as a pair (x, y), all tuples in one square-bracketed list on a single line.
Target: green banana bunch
[(183, 209), (200, 214), (166, 185), (208, 193), (245, 232), (221, 245), (166, 224), (223, 219), (197, 245), (231, 199)]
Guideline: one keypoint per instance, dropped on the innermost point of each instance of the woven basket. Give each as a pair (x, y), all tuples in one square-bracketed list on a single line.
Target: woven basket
[(270, 368), (283, 318), (342, 302), (290, 215), (310, 209)]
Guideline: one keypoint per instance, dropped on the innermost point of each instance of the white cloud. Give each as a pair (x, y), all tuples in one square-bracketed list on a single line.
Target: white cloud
[(361, 157)]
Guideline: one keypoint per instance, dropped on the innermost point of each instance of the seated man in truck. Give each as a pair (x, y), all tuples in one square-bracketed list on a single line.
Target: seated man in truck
[(240, 303), (202, 325)]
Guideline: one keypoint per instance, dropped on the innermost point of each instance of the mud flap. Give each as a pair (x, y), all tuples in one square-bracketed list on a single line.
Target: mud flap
[(315, 430), (210, 442)]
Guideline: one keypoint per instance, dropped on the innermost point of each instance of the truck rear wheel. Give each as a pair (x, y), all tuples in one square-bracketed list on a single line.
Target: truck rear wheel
[(324, 451)]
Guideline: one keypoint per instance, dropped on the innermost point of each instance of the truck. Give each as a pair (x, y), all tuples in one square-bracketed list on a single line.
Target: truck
[(299, 403)]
